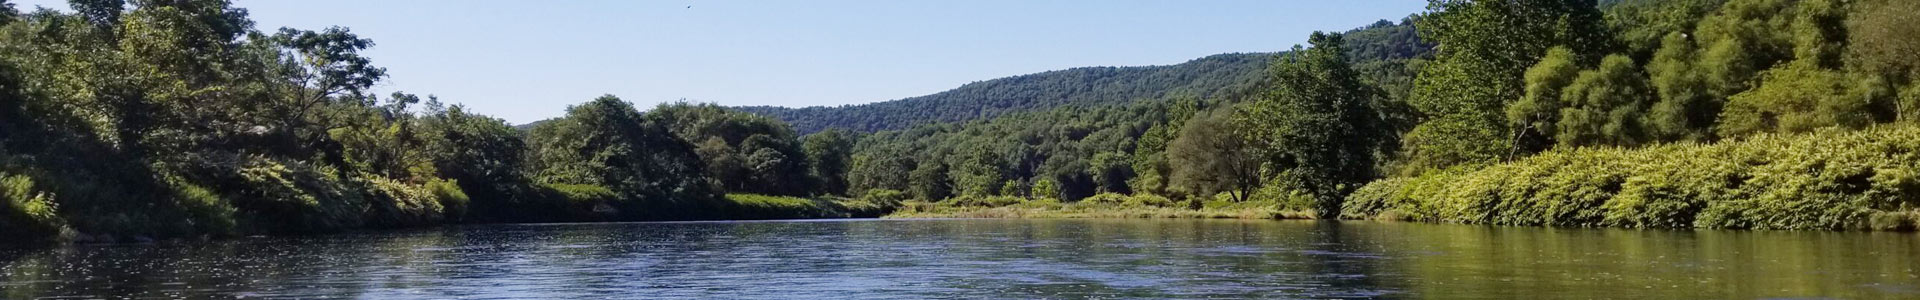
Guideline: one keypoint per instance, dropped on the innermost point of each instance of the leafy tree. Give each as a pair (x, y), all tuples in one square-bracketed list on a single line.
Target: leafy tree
[(1111, 170), (745, 152), (483, 155), (929, 181), (830, 152), (1045, 189), (1884, 40), (1210, 157), (1538, 111), (977, 172), (1486, 46), (1685, 109), (1315, 129), (880, 170), (1606, 106), (606, 142)]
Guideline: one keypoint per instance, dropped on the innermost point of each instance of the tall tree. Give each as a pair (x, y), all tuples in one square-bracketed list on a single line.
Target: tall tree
[(1485, 47), (606, 142), (1315, 127), (1606, 106), (830, 153)]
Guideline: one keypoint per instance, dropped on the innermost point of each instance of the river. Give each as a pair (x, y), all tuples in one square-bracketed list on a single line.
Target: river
[(995, 259)]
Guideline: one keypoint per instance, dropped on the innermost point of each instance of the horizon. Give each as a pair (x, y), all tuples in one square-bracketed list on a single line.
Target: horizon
[(830, 54)]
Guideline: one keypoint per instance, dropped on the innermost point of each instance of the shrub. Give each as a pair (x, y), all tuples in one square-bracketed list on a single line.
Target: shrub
[(399, 204), (584, 202), (25, 212), (1111, 199), (207, 212), (284, 196), (1821, 180), (885, 197), (453, 200), (1148, 200)]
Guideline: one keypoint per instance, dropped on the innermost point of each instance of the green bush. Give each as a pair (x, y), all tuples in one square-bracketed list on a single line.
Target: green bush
[(453, 200), (584, 202), (885, 197), (287, 196), (1148, 200), (981, 201), (1822, 180), (400, 204), (25, 212), (207, 212), (1108, 199)]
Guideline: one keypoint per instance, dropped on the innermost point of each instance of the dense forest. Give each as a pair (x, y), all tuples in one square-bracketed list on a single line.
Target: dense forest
[(1227, 76), (152, 119), (1541, 112)]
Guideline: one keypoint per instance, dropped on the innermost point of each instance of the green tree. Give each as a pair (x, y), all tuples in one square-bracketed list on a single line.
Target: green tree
[(1538, 111), (1606, 106), (829, 153), (977, 171), (1210, 157), (1045, 189), (484, 156), (1111, 171), (606, 142), (929, 181), (1485, 49), (1685, 109), (1883, 39), (880, 170), (1315, 129), (766, 155)]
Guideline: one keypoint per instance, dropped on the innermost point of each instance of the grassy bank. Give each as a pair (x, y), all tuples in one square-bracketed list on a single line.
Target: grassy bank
[(763, 207), (1832, 180), (1100, 206)]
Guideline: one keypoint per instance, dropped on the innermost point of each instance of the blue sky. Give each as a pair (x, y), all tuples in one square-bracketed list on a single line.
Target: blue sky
[(527, 60)]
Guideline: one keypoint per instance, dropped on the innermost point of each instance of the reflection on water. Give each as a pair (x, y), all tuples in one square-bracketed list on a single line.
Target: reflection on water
[(988, 259)]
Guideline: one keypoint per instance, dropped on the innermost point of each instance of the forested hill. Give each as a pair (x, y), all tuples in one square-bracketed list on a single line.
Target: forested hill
[(1202, 77), (1220, 75)]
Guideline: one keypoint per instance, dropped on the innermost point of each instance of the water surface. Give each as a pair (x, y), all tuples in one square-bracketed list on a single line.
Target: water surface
[(891, 259)]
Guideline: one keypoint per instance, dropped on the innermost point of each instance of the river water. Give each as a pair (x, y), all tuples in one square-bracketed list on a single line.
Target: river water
[(992, 259)]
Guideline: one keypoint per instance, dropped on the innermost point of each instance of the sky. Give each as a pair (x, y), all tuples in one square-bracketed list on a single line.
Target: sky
[(526, 61)]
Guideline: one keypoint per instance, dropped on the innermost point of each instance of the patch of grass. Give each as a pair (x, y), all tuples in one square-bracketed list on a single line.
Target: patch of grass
[(752, 206)]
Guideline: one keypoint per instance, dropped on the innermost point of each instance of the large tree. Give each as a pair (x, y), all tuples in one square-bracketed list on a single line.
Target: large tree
[(606, 142), (1485, 48), (830, 154), (1315, 127), (1211, 157)]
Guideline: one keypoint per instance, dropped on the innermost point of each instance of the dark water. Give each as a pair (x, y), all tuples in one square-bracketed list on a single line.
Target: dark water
[(988, 259)]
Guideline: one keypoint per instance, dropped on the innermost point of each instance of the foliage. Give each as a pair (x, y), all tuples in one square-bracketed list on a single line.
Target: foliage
[(1211, 157), (1316, 129), (1824, 180), (1209, 76), (745, 152), (829, 153), (26, 213)]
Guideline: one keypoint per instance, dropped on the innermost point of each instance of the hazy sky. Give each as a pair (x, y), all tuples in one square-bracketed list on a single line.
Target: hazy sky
[(527, 60)]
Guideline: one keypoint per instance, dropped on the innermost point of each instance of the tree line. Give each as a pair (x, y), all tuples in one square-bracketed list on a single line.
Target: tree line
[(1501, 81), (177, 118)]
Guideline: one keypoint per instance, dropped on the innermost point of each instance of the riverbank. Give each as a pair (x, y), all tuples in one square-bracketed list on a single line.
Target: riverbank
[(1829, 180), (1098, 207), (730, 207)]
